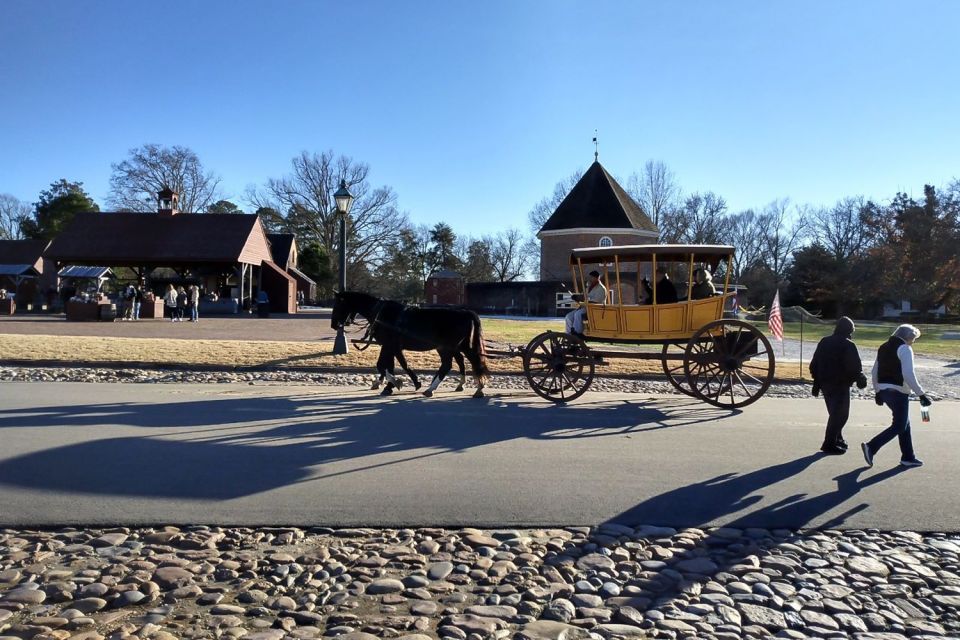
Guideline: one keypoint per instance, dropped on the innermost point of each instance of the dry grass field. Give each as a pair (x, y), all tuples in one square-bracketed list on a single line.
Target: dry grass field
[(258, 353)]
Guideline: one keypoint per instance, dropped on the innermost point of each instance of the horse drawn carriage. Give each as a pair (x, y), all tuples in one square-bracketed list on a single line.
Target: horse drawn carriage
[(722, 361)]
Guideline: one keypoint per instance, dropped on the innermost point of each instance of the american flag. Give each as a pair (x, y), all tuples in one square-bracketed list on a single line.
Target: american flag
[(775, 321)]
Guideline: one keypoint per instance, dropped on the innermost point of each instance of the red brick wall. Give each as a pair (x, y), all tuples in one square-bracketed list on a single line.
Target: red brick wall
[(444, 291), (555, 251)]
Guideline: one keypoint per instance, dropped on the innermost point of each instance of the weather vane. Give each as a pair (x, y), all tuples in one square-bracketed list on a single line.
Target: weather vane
[(596, 147)]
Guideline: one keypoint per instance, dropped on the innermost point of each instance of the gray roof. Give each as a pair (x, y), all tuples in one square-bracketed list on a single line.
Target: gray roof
[(18, 270), (84, 272), (598, 201)]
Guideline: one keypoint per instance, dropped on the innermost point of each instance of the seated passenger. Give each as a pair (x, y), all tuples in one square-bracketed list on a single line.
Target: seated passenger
[(702, 285), (666, 292), (597, 294), (647, 297)]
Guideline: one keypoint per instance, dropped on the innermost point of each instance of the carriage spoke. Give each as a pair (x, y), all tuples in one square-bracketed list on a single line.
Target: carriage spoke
[(740, 380)]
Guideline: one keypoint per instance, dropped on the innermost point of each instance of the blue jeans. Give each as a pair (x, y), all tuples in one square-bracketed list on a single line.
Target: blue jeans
[(899, 404), (194, 316)]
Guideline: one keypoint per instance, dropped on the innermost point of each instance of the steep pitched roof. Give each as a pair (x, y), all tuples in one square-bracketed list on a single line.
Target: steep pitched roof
[(148, 238), (281, 244), (598, 201), (22, 251)]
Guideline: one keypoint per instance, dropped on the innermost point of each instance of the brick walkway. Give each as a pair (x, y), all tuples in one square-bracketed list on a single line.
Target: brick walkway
[(302, 327)]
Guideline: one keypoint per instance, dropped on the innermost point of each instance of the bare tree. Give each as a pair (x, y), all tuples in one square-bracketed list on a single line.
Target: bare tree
[(781, 233), (135, 181), (306, 195), (744, 233), (545, 208), (845, 230), (12, 213), (656, 190), (508, 255), (700, 220)]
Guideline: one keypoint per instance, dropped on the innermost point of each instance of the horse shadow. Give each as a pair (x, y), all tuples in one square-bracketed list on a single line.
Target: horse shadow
[(230, 447)]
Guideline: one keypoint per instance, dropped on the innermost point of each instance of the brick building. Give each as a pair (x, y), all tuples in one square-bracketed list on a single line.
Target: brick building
[(445, 287), (596, 212)]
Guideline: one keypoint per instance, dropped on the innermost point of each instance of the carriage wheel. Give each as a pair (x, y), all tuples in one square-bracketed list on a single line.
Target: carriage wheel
[(674, 370), (558, 366), (729, 363)]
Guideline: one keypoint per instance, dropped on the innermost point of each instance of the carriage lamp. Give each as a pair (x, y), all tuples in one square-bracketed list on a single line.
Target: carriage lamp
[(343, 199)]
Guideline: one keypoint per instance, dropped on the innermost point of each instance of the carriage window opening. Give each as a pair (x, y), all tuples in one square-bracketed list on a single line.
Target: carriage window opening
[(606, 241)]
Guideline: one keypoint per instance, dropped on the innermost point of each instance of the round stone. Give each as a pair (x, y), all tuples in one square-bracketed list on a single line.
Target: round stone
[(385, 585)]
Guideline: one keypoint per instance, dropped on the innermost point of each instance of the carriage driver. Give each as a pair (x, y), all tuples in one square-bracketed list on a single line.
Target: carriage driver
[(597, 294)]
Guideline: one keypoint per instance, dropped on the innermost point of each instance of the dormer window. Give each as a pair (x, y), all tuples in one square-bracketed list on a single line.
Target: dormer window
[(606, 241)]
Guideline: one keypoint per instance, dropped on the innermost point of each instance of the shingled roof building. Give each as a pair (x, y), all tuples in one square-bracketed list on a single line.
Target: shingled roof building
[(596, 212), (220, 249), (25, 270)]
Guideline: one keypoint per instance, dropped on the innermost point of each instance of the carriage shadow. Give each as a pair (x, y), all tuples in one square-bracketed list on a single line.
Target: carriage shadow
[(231, 447)]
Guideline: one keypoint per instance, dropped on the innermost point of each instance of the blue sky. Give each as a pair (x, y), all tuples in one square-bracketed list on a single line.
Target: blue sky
[(473, 111)]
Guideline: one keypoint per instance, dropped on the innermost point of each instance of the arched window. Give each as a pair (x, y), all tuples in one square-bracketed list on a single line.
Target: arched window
[(606, 241)]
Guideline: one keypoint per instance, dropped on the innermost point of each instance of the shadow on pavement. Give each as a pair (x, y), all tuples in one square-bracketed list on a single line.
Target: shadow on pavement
[(231, 447)]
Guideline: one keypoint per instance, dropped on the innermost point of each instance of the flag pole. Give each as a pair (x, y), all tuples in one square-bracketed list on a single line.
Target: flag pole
[(801, 344)]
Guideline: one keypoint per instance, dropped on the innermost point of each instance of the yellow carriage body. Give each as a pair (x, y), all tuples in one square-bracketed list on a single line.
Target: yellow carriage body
[(624, 317)]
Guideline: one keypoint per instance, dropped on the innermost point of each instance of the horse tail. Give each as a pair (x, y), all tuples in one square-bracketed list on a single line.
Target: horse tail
[(480, 348)]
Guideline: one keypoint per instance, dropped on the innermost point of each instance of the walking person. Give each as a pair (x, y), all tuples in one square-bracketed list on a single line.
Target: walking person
[(181, 303), (170, 302), (194, 303), (836, 366), (893, 380), (137, 301)]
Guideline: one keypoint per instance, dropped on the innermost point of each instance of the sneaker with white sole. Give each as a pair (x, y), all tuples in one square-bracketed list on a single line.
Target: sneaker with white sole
[(911, 463), (866, 454)]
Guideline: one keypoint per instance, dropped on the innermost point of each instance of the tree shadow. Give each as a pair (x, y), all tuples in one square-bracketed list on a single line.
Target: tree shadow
[(231, 447)]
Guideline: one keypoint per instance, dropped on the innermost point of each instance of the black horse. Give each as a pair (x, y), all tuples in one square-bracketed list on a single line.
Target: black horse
[(397, 327)]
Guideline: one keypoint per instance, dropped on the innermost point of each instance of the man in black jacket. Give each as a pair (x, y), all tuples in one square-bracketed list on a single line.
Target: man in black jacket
[(835, 367)]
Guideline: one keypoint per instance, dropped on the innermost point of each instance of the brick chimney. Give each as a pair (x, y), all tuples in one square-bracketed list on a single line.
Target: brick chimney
[(167, 202)]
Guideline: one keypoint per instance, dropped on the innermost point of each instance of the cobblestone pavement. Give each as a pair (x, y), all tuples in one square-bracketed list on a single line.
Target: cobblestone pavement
[(607, 582)]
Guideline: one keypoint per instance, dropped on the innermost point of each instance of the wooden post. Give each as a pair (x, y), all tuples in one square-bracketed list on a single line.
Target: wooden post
[(654, 275), (801, 344)]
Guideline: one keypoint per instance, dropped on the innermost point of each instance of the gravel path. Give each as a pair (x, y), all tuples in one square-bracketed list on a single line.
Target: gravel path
[(946, 386)]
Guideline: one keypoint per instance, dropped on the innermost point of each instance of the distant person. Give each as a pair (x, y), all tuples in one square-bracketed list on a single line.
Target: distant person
[(702, 285), (194, 303), (893, 380), (128, 303), (137, 301), (181, 303), (596, 294), (666, 292), (836, 366), (170, 302)]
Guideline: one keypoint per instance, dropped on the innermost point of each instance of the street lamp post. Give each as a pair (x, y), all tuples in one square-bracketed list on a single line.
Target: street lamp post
[(343, 199)]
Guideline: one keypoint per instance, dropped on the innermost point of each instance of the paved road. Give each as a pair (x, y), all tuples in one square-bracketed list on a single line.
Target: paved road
[(233, 454)]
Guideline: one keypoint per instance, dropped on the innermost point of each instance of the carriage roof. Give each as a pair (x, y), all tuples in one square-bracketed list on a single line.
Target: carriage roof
[(711, 253)]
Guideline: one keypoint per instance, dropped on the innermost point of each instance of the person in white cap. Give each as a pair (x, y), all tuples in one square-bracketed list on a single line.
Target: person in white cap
[(893, 380), (597, 294)]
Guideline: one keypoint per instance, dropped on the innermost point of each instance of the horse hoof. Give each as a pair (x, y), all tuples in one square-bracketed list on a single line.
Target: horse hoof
[(399, 385), (416, 386), (387, 391), (428, 393), (459, 387), (478, 393), (374, 387)]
